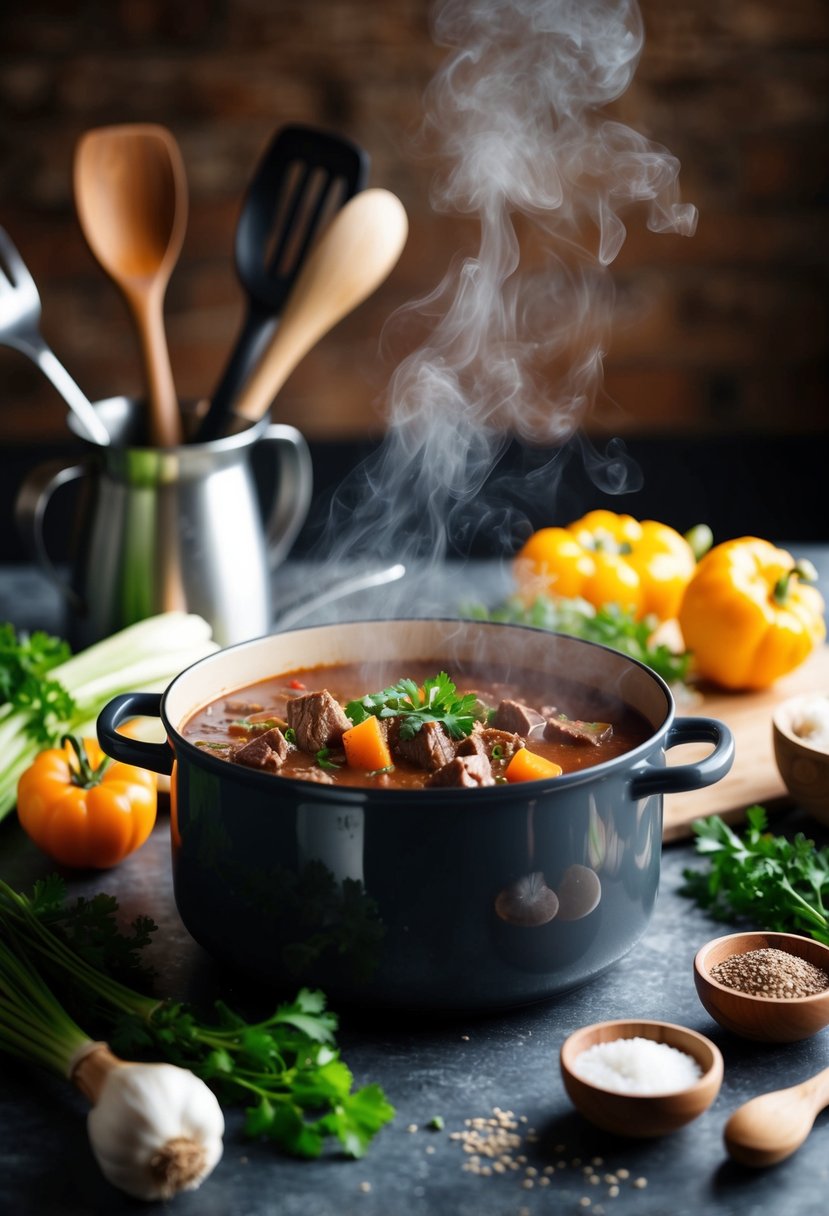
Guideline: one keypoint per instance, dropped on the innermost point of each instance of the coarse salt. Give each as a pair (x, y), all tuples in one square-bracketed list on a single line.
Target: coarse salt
[(812, 723), (637, 1066)]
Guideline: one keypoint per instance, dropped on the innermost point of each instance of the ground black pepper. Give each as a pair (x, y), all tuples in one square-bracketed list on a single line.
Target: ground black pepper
[(770, 973)]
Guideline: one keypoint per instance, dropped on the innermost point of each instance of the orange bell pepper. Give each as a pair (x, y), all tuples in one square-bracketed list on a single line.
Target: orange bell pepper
[(749, 614), (607, 558), (83, 809)]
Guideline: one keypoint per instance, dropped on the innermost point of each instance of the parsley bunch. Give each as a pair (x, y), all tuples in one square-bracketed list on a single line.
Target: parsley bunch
[(286, 1067), (25, 686), (436, 701), (610, 625), (778, 884)]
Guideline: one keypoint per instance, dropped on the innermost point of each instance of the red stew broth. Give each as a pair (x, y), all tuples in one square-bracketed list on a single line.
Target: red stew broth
[(216, 727)]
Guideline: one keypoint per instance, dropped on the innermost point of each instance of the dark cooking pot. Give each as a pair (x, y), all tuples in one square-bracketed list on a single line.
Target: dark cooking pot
[(408, 898)]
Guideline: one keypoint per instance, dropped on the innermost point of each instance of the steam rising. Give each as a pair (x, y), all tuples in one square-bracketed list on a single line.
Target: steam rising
[(514, 334)]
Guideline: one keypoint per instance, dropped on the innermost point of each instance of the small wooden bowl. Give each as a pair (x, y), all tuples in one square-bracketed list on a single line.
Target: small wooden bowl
[(763, 1018), (803, 766), (641, 1115)]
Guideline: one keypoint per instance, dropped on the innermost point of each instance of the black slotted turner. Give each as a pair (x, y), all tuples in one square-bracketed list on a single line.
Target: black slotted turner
[(303, 178)]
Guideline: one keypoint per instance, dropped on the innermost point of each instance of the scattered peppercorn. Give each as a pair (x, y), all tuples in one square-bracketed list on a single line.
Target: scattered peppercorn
[(493, 1146), (770, 973)]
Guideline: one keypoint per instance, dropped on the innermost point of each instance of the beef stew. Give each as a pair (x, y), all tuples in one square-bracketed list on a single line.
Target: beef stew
[(431, 729)]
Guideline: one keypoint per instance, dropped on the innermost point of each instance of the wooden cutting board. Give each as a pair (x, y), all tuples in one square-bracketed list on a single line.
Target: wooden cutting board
[(754, 776)]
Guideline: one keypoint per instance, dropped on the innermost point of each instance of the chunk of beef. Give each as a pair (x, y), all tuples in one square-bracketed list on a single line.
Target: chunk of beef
[(508, 743), (266, 751), (472, 745), (430, 748), (561, 729), (516, 718), (318, 720), (464, 772)]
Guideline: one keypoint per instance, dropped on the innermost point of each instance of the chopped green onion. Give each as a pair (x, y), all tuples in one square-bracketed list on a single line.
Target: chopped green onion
[(322, 758)]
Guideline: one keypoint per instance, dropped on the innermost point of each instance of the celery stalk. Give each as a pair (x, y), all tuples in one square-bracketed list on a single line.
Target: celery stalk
[(143, 657)]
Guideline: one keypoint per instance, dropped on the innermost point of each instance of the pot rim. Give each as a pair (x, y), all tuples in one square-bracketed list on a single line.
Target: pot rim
[(358, 796)]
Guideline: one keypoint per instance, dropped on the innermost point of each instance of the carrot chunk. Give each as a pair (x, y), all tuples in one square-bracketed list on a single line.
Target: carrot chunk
[(366, 747), (529, 766)]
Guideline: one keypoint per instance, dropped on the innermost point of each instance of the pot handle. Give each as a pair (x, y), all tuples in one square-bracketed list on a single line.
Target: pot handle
[(682, 777), (155, 756)]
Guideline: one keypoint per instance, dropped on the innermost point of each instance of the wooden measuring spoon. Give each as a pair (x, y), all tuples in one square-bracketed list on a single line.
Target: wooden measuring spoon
[(352, 257), (131, 199), (770, 1128)]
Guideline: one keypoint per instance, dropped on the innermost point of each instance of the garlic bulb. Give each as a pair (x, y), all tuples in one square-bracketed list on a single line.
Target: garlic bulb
[(155, 1129)]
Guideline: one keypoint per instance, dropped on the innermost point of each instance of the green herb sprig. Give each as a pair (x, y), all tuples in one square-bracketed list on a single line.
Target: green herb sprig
[(779, 884), (25, 685), (610, 625), (436, 701)]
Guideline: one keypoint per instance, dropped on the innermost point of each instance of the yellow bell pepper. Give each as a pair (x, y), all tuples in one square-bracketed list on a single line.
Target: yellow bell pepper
[(607, 558), (749, 614), (83, 809)]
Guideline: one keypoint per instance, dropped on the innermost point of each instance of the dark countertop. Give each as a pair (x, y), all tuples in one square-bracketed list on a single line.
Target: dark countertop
[(458, 1069)]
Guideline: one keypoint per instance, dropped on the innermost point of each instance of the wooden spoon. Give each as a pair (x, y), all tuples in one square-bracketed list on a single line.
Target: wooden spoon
[(770, 1128), (350, 260), (131, 199)]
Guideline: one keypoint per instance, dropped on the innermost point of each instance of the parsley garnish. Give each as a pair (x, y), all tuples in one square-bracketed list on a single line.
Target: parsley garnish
[(782, 885), (436, 701)]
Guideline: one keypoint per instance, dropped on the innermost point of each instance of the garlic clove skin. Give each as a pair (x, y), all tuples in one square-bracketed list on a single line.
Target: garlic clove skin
[(155, 1129)]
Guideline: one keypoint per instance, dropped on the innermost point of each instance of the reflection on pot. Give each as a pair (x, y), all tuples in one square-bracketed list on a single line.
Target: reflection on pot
[(334, 840), (292, 902), (311, 921), (578, 892), (528, 902), (536, 928)]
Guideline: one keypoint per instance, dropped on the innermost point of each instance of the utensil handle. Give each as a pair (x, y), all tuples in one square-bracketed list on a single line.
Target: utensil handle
[(304, 606), (683, 777), (817, 1089), (164, 420), (158, 757), (292, 491), (42, 354), (256, 331), (349, 261), (33, 498)]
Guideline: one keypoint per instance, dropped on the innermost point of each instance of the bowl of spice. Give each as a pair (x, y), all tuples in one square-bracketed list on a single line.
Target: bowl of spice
[(640, 1078), (773, 987), (800, 731)]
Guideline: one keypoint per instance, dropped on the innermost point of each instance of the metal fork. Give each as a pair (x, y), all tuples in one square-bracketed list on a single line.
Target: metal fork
[(20, 329)]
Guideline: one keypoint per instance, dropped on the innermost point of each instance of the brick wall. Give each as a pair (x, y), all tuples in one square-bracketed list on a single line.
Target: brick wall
[(721, 334)]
